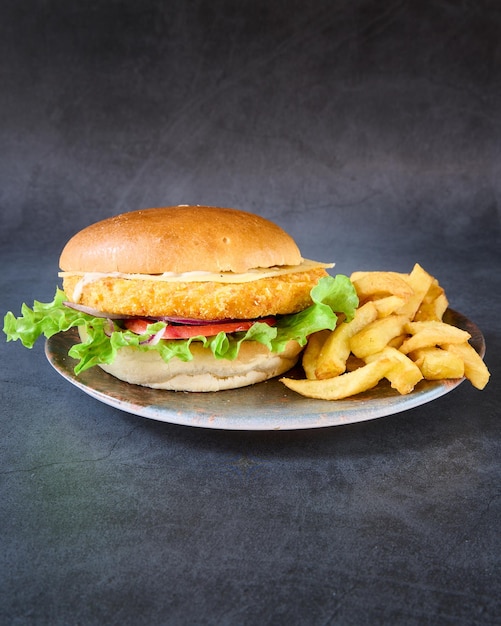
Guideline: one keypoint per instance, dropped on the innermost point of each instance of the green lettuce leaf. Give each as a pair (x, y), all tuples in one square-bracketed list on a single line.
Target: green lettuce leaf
[(330, 297)]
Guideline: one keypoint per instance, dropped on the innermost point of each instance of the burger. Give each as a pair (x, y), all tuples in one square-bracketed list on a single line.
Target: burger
[(187, 298)]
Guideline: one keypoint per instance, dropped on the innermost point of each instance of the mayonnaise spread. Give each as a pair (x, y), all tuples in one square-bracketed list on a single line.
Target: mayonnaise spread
[(197, 276)]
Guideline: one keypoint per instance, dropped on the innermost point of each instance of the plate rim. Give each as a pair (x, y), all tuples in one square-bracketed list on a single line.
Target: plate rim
[(166, 406)]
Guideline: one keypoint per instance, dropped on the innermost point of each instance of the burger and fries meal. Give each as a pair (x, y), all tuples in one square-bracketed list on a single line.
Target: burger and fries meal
[(196, 298)]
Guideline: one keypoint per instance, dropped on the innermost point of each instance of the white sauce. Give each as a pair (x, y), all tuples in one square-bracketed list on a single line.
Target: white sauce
[(196, 276)]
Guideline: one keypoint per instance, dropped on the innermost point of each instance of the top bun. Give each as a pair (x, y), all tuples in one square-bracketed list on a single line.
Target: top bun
[(179, 239)]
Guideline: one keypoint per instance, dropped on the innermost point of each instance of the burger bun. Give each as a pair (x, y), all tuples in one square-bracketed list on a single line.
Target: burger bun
[(254, 364)]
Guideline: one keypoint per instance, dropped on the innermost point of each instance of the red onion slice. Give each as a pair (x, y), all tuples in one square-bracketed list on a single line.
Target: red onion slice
[(167, 318), (95, 312), (110, 328), (154, 339)]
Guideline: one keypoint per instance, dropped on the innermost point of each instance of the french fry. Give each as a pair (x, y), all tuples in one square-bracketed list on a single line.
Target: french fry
[(405, 375), (372, 284), (346, 385), (434, 304), (388, 305), (429, 334), (434, 291), (336, 349), (312, 352), (396, 342), (438, 364), (420, 283), (475, 369), (376, 335)]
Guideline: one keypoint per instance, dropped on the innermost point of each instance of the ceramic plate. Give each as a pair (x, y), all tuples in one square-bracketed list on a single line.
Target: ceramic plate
[(265, 406)]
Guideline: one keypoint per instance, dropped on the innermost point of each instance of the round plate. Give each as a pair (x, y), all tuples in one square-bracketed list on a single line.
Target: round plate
[(265, 406)]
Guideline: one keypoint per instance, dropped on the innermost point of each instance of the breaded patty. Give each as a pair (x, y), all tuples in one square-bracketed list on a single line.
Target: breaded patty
[(278, 295)]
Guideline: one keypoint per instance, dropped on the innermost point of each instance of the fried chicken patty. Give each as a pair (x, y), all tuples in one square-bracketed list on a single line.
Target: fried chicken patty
[(278, 295)]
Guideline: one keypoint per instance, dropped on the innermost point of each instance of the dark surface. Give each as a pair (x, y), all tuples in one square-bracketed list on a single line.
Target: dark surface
[(372, 133)]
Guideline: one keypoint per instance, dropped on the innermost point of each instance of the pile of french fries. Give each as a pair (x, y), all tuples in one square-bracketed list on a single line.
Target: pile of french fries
[(398, 334)]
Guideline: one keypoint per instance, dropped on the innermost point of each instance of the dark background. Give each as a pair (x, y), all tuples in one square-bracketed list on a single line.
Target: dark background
[(371, 131)]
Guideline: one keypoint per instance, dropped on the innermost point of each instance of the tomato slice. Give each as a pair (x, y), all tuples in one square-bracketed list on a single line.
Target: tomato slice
[(185, 331)]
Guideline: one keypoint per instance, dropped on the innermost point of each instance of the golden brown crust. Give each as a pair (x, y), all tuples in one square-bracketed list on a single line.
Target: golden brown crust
[(208, 300), (179, 239)]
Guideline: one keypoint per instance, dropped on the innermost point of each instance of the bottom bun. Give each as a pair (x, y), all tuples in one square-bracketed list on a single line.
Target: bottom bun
[(254, 364)]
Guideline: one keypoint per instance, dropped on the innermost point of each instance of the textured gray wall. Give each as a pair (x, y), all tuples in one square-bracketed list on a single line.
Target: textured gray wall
[(372, 132), (339, 119)]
